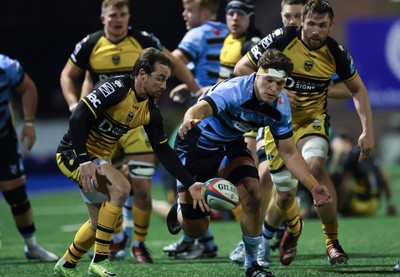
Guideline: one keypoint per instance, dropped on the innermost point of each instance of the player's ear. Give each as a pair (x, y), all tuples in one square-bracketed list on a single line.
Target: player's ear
[(142, 74)]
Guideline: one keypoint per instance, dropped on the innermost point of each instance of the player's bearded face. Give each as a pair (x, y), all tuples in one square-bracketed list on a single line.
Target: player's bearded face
[(315, 30), (156, 82)]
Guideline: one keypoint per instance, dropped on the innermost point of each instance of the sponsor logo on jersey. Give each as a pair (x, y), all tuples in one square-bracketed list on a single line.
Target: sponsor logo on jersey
[(107, 127), (119, 83), (93, 99), (308, 65), (265, 42), (242, 126), (305, 84), (277, 32), (106, 89), (256, 52), (116, 59), (129, 117)]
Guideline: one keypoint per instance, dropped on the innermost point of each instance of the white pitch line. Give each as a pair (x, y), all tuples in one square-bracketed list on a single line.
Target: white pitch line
[(59, 210), (71, 227)]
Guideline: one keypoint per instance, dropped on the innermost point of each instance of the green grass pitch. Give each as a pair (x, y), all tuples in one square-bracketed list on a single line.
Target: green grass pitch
[(372, 243)]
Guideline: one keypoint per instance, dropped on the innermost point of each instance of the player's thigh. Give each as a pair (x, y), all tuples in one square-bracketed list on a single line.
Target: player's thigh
[(242, 172), (250, 139), (315, 128), (275, 162), (68, 164), (203, 164)]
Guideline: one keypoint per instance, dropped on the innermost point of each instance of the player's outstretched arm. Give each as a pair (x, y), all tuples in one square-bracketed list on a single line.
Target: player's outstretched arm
[(301, 171), (193, 116)]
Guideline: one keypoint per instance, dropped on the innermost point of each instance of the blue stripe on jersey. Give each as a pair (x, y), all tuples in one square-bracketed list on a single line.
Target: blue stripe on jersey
[(233, 116), (202, 45)]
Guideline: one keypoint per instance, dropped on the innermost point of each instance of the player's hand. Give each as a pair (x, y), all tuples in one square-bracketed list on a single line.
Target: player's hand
[(321, 195), (88, 176), (180, 94), (292, 98), (186, 126), (366, 144), (28, 134), (198, 200)]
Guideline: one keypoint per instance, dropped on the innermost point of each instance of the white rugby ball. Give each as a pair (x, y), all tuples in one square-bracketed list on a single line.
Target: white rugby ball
[(220, 194)]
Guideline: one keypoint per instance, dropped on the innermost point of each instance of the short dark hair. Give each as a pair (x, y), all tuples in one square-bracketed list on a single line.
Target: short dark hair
[(318, 7), (148, 59), (273, 58)]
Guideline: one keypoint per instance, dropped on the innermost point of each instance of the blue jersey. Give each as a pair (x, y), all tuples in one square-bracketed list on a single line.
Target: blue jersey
[(236, 110), (202, 46), (11, 75)]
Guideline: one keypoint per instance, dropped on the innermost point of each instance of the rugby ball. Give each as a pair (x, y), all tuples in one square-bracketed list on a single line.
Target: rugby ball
[(220, 194)]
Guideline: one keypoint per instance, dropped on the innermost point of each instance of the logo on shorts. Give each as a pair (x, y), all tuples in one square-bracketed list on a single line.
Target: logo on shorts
[(116, 59), (129, 117), (308, 65), (317, 124), (13, 169)]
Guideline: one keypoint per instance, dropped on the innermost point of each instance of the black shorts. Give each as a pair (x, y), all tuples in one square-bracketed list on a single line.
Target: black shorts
[(11, 166), (203, 163)]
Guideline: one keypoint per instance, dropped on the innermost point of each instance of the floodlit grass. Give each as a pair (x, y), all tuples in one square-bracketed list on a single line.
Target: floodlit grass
[(372, 243)]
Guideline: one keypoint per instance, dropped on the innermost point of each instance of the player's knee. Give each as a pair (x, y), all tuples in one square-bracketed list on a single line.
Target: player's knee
[(315, 147), (283, 180), (241, 172), (142, 170), (188, 213), (119, 190), (18, 200)]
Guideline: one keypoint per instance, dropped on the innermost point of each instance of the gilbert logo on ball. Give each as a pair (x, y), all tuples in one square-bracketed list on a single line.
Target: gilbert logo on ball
[(220, 194)]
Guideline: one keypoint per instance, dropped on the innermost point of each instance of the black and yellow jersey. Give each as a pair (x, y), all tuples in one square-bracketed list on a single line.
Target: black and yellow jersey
[(312, 71), (112, 109), (104, 58), (232, 51)]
